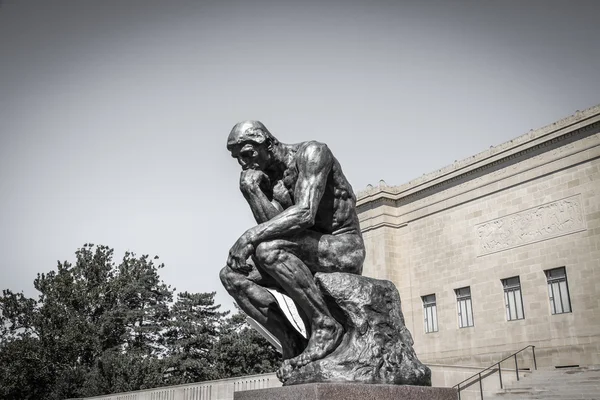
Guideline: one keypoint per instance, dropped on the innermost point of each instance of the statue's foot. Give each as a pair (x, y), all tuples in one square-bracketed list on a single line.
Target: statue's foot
[(326, 336)]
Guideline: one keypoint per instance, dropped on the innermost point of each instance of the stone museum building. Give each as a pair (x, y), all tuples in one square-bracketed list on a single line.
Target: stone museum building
[(498, 251)]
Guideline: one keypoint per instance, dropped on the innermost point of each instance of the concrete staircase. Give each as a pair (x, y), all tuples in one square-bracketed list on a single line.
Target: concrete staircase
[(565, 384)]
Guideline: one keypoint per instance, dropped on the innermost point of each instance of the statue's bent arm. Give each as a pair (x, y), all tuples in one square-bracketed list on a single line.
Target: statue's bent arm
[(314, 164), (262, 208)]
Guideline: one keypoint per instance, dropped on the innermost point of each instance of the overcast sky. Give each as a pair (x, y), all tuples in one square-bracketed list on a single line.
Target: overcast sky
[(114, 114)]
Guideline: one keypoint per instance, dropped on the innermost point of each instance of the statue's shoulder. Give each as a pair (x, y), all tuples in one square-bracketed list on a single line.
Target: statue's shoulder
[(310, 149)]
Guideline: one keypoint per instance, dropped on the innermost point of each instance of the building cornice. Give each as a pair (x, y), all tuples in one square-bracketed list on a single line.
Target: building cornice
[(565, 131)]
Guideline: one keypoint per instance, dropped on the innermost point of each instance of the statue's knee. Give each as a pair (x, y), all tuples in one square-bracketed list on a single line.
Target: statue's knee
[(227, 277), (268, 253)]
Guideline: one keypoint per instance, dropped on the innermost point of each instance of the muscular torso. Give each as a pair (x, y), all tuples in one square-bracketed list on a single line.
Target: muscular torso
[(336, 212)]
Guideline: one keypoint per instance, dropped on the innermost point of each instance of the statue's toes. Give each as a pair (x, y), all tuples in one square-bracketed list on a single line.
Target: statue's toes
[(303, 359), (285, 371)]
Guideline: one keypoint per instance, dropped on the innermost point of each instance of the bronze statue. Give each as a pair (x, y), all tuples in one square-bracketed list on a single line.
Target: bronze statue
[(308, 245), (307, 223)]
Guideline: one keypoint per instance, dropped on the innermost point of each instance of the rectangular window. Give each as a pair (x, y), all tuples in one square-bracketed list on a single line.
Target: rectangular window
[(558, 290), (464, 306), (512, 298), (430, 312)]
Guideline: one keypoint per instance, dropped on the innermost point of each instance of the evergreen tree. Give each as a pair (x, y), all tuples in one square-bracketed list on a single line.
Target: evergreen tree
[(241, 350), (195, 321), (144, 304), (25, 369)]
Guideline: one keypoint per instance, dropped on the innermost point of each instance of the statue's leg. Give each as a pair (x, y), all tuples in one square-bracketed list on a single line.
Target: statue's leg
[(292, 263), (304, 318), (258, 303), (298, 283)]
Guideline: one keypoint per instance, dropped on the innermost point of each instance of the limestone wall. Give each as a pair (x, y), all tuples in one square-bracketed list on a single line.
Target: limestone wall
[(530, 206), (221, 389)]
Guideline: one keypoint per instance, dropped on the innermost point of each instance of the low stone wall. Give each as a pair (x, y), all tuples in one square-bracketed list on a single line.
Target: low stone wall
[(223, 389)]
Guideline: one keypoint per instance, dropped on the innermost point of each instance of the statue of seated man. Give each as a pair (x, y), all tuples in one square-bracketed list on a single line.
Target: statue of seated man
[(307, 223)]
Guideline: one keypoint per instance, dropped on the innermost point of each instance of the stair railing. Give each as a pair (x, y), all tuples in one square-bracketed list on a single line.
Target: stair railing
[(490, 371)]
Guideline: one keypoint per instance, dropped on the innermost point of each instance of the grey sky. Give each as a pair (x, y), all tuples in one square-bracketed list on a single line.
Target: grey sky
[(114, 114)]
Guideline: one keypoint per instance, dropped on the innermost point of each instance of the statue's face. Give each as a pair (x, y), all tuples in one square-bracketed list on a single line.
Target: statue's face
[(252, 155)]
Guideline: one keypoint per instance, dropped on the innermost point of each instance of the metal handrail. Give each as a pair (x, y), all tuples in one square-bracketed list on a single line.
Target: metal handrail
[(480, 378)]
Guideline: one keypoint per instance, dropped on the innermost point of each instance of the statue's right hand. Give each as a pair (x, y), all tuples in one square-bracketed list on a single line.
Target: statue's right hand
[(253, 179), (239, 253)]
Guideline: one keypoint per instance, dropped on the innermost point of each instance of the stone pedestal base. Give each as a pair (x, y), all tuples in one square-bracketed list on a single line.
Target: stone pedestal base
[(348, 391)]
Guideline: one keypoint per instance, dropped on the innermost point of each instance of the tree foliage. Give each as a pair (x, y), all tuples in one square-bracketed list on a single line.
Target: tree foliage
[(98, 327), (190, 339), (243, 351)]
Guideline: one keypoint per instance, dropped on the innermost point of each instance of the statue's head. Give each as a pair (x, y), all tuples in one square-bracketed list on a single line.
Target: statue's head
[(252, 144)]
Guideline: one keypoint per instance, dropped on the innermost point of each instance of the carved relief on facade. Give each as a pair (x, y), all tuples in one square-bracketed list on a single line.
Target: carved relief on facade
[(533, 225)]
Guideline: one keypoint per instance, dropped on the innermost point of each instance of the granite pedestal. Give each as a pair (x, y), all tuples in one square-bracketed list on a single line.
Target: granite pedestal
[(348, 391)]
